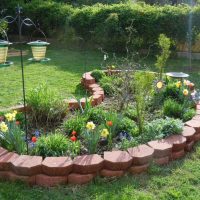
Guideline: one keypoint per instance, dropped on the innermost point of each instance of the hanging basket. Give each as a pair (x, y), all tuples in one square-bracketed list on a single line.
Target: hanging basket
[(38, 49), (3, 51)]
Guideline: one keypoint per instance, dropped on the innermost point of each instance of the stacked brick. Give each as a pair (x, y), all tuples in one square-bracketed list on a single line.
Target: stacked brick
[(97, 93)]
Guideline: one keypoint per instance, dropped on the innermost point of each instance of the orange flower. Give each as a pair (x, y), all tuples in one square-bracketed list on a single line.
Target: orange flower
[(73, 138), (34, 139), (109, 123), (17, 122)]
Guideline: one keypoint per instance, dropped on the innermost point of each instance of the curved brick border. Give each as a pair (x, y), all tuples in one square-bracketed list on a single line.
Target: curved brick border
[(52, 171)]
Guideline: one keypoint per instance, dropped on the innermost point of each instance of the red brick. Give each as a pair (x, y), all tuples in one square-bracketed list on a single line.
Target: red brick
[(141, 154), (198, 106), (100, 93), (97, 99), (3, 151), (139, 169), (96, 89), (6, 160), (178, 154), (117, 160), (4, 175), (50, 181), (178, 142), (189, 133), (195, 124), (197, 137), (198, 112), (196, 117), (87, 164), (73, 104), (189, 146), (30, 180), (80, 178), (57, 166), (27, 165), (161, 148), (90, 87), (111, 173), (162, 161)]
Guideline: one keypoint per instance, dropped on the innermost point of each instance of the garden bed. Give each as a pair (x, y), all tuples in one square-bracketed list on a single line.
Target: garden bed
[(112, 162)]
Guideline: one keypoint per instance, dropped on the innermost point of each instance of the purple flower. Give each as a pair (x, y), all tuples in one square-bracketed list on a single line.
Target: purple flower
[(37, 133)]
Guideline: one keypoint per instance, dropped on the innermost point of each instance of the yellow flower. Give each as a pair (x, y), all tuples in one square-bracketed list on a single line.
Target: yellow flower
[(178, 84), (104, 133), (185, 92), (3, 127), (159, 84), (186, 82), (90, 126), (10, 116)]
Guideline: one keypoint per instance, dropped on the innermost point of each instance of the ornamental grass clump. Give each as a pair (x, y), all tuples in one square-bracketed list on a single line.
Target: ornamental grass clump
[(47, 109), (11, 136)]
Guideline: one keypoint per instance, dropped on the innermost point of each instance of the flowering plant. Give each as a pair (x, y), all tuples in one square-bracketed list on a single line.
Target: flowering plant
[(91, 136), (11, 136)]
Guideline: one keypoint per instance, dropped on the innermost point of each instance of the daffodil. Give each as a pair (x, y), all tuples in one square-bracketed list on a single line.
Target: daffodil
[(104, 133), (178, 84), (3, 127), (185, 92), (159, 84), (10, 116), (186, 82), (90, 126)]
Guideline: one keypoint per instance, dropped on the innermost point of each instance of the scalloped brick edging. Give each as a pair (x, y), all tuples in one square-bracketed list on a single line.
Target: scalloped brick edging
[(52, 171)]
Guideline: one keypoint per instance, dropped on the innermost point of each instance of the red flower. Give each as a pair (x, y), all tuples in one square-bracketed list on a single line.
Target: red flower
[(17, 122), (73, 132), (109, 123), (34, 139), (73, 138)]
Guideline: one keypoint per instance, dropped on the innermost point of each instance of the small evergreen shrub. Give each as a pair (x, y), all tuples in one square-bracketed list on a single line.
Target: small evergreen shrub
[(98, 74)]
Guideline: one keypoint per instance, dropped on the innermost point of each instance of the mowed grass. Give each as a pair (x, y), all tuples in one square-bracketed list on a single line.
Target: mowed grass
[(62, 73), (180, 180)]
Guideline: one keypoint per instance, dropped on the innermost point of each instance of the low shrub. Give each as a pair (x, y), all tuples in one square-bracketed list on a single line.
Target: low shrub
[(47, 109), (161, 128), (107, 84), (97, 115), (131, 113), (76, 123), (98, 74), (125, 144), (128, 125), (171, 108), (55, 144), (188, 114)]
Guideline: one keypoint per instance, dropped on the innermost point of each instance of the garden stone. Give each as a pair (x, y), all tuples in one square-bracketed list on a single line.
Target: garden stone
[(117, 160)]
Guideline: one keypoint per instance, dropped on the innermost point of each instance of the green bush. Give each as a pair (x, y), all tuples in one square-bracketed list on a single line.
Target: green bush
[(107, 84), (97, 115), (128, 125), (55, 144), (76, 123), (188, 114), (98, 74), (46, 107), (161, 128), (171, 108), (131, 113), (107, 24)]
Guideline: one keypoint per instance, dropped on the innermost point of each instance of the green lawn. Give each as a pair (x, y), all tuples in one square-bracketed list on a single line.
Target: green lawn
[(63, 73), (179, 180)]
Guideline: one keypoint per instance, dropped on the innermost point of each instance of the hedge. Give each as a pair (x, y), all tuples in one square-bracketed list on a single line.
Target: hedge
[(106, 25)]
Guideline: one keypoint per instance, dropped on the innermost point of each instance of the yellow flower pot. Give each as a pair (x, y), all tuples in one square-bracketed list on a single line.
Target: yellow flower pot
[(38, 49)]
